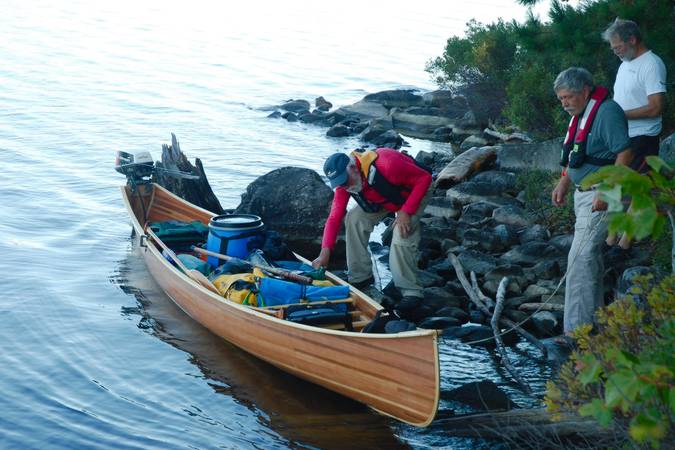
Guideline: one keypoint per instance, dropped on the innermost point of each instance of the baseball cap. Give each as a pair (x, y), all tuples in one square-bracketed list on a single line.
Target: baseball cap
[(335, 169)]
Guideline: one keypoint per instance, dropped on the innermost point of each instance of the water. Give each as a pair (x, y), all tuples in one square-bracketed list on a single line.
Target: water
[(93, 354)]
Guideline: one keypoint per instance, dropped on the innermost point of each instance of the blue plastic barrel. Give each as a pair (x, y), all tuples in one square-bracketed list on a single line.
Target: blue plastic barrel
[(233, 235)]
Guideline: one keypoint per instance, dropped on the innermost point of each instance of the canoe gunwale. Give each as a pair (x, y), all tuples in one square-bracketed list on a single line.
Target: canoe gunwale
[(198, 302)]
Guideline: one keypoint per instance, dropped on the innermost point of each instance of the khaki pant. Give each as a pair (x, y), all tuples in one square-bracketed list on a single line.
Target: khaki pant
[(585, 268), (402, 254)]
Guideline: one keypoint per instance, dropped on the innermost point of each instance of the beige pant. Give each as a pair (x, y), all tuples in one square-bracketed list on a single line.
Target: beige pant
[(402, 253), (585, 268)]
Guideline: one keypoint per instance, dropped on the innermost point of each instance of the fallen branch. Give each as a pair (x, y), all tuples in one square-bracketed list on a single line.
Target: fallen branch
[(507, 137), (475, 298), (541, 307), (501, 291)]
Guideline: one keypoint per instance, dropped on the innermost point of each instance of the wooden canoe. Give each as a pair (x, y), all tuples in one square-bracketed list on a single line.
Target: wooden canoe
[(395, 374)]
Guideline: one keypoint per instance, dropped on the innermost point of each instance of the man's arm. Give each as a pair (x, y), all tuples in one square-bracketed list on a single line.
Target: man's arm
[(653, 108), (560, 192)]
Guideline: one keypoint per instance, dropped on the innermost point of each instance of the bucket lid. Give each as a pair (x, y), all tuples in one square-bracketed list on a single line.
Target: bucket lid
[(235, 221)]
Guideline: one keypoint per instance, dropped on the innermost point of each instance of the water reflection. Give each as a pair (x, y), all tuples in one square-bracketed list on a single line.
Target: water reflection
[(306, 414)]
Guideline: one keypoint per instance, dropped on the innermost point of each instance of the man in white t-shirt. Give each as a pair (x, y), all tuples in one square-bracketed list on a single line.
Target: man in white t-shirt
[(639, 88)]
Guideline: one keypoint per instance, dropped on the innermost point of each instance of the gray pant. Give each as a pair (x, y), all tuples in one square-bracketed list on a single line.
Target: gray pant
[(585, 268), (402, 253)]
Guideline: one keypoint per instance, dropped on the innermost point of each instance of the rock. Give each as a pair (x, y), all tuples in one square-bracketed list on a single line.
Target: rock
[(442, 134), (507, 234), (322, 104), (419, 122), (290, 116), (363, 110), (505, 180), (546, 323), (338, 130), (556, 352), (443, 207), (473, 261), (539, 155), (472, 141), (474, 192), (478, 317), (464, 165), (549, 268), (535, 233), (475, 212), (295, 106), (478, 335), (490, 287), (454, 312), (516, 279), (516, 316), (390, 139), (562, 242), (515, 302), (274, 115), (401, 98), (439, 323), (529, 254), (536, 291), (428, 279), (667, 149), (437, 298), (481, 239), (482, 396), (439, 233), (376, 127), (450, 105), (511, 215), (293, 201), (627, 283), (485, 103), (311, 117)]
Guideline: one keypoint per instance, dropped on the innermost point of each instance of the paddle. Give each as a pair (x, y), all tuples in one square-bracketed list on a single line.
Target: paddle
[(192, 273), (273, 270)]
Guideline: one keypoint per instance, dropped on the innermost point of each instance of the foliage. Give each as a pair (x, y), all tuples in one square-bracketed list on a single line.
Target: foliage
[(624, 376), (651, 196), (522, 59), (536, 186)]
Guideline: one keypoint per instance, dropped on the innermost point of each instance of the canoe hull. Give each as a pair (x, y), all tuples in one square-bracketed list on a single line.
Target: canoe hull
[(398, 375)]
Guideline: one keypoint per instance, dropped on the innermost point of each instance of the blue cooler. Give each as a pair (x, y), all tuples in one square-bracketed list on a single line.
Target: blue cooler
[(233, 235)]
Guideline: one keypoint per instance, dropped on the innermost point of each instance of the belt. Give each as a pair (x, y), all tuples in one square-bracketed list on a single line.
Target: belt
[(591, 188)]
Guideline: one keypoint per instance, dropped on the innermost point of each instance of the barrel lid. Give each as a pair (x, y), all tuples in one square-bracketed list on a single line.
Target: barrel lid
[(234, 221)]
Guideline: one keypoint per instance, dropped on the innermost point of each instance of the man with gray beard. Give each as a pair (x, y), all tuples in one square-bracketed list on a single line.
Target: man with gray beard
[(381, 182), (597, 136), (639, 89)]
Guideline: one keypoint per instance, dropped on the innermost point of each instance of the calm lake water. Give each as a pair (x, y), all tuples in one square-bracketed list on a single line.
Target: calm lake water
[(93, 354)]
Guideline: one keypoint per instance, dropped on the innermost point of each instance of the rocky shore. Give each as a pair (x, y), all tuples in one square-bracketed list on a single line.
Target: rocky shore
[(477, 213)]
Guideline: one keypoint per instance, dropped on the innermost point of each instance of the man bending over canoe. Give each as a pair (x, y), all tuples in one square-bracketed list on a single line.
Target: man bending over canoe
[(381, 181)]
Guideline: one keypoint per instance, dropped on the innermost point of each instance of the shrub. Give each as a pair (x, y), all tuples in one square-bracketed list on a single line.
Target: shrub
[(624, 376), (537, 186)]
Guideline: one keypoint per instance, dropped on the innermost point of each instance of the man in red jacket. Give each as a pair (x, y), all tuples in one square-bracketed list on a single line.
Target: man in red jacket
[(381, 182)]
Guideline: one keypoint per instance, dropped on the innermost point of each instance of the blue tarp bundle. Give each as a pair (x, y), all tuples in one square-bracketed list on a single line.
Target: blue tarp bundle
[(280, 292)]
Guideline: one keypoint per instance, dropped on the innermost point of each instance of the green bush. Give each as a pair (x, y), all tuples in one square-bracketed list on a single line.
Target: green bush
[(624, 376), (537, 186), (522, 60)]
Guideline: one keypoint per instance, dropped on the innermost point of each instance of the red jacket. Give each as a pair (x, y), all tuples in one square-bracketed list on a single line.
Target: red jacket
[(399, 170)]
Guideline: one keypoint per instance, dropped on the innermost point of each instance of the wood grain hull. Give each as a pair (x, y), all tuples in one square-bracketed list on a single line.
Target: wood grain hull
[(396, 374)]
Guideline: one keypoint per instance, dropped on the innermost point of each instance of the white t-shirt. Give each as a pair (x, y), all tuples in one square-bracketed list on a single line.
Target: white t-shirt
[(635, 80)]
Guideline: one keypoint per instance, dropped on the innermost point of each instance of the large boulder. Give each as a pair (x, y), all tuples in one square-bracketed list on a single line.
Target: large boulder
[(537, 155), (293, 201), (419, 122), (483, 396), (398, 98), (296, 106), (363, 109), (452, 106)]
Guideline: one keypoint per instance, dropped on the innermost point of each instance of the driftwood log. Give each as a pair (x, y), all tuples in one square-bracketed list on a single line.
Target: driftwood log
[(499, 306), (530, 425), (465, 164), (475, 297), (195, 189)]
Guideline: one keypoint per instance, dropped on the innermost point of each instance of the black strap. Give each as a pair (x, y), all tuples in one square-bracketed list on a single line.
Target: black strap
[(225, 241)]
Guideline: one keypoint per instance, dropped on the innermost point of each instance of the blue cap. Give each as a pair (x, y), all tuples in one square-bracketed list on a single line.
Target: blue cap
[(335, 169)]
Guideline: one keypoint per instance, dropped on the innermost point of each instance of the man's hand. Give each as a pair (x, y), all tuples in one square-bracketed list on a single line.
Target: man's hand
[(598, 205), (322, 259), (559, 194), (403, 223)]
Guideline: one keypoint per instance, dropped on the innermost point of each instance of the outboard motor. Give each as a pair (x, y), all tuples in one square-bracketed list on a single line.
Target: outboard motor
[(136, 167)]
